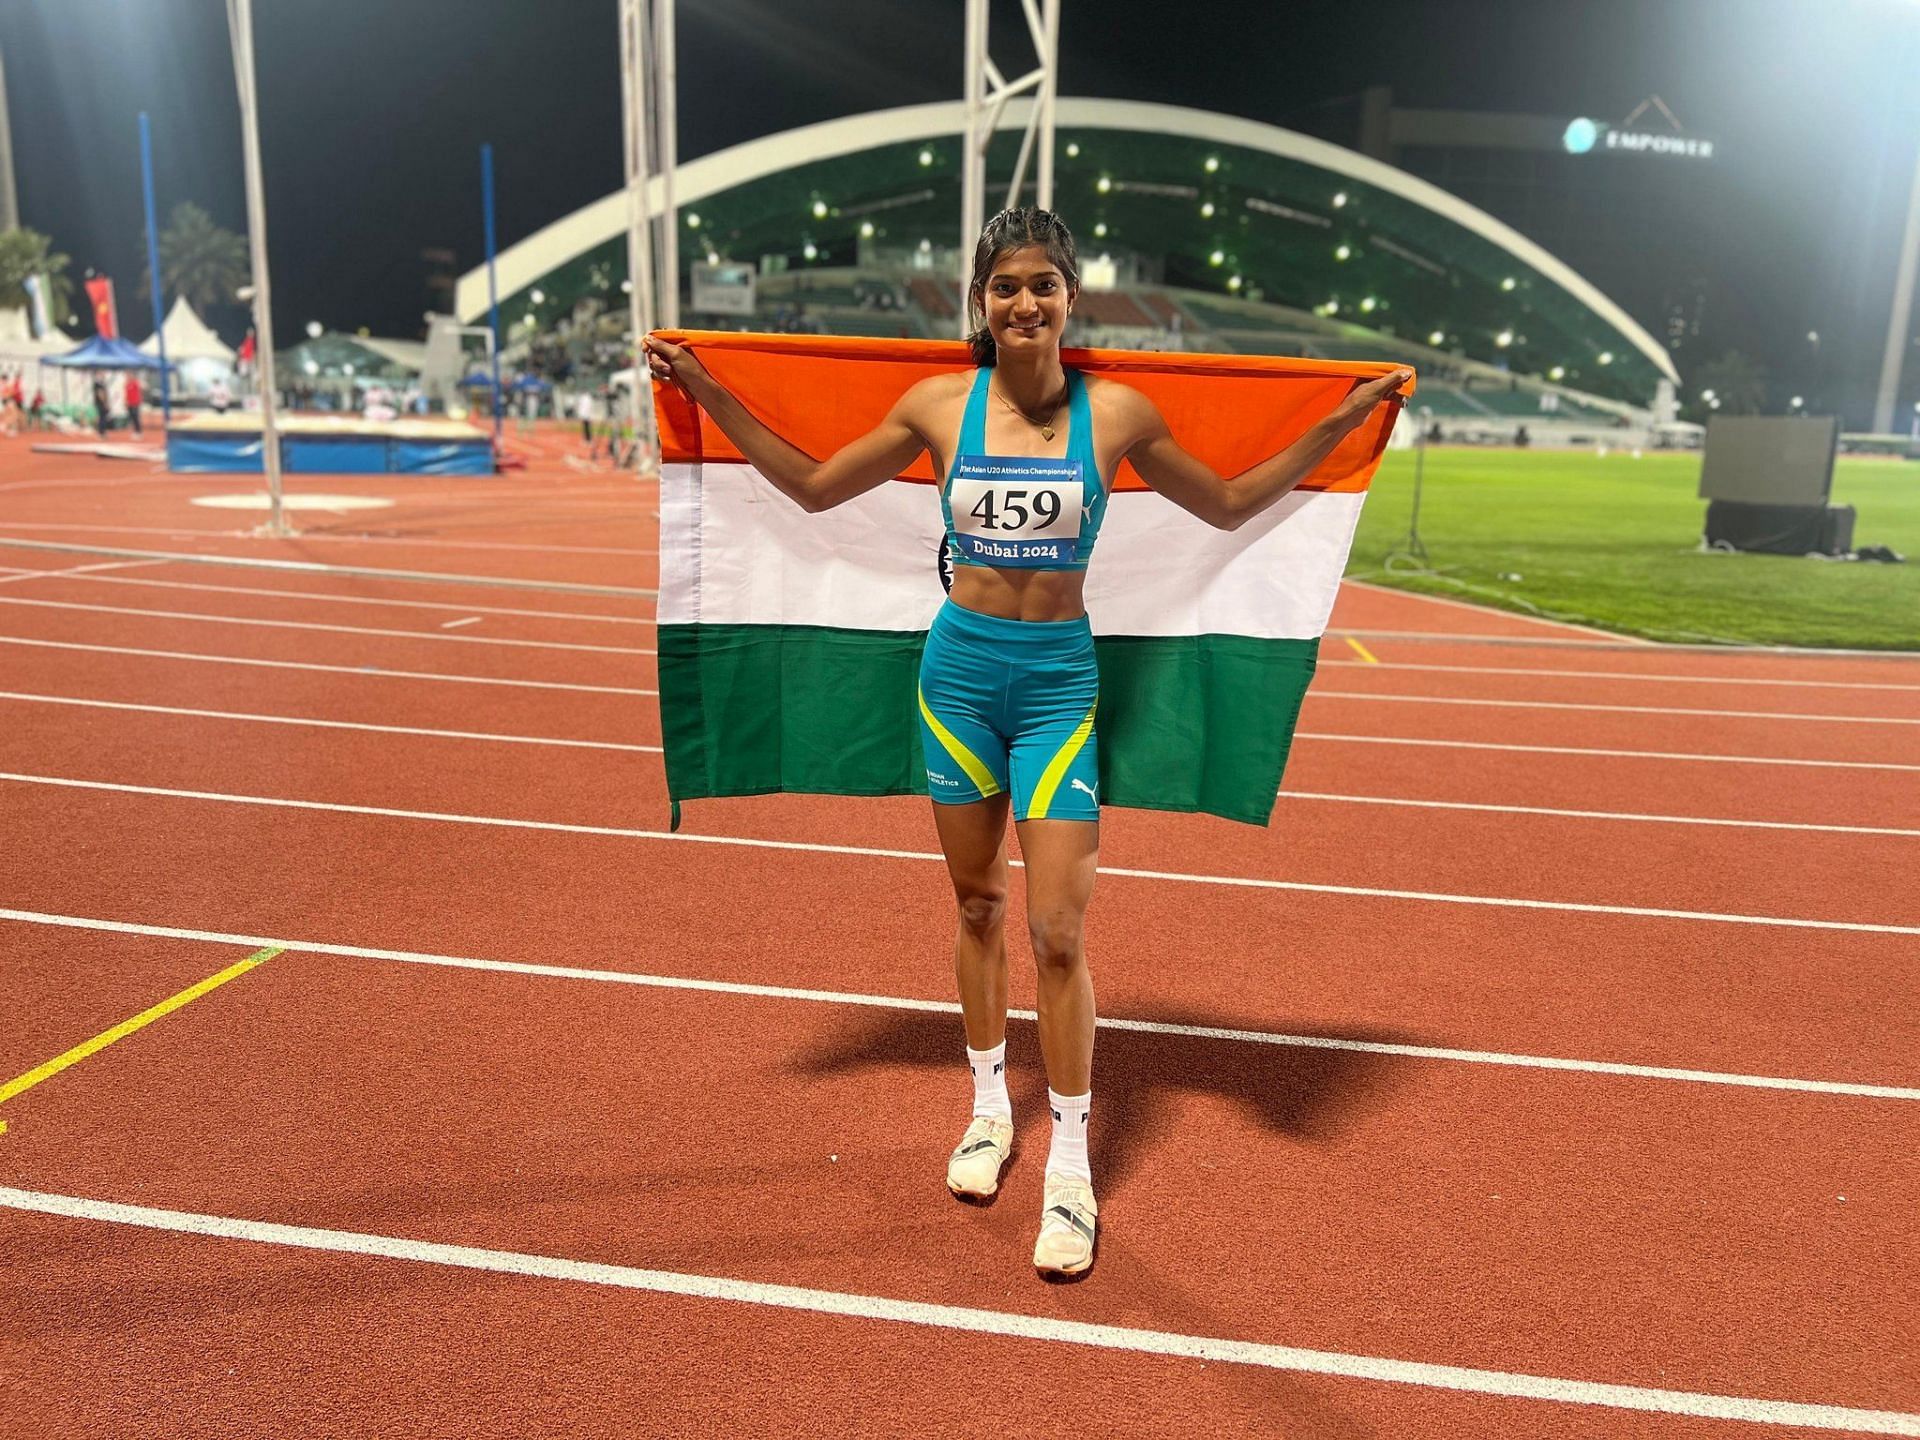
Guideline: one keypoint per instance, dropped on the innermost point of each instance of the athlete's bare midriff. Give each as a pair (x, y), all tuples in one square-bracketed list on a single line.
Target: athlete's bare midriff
[(1009, 594)]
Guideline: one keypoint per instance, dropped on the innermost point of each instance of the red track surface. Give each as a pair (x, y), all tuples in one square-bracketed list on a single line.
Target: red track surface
[(1478, 1211)]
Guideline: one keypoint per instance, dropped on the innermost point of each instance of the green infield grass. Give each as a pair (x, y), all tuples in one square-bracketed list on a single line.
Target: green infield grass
[(1614, 542)]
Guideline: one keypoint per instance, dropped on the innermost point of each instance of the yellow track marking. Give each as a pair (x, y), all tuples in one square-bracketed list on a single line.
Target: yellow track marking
[(127, 1027), (1362, 651)]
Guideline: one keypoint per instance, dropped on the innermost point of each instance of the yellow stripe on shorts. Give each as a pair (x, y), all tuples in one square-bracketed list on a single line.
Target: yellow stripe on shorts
[(1056, 770), (977, 772)]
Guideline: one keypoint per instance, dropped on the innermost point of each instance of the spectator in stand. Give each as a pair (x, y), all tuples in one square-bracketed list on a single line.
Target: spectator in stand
[(134, 397), (102, 403)]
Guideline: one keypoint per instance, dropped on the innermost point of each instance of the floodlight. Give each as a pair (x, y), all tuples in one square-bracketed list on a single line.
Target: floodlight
[(1218, 257), (1797, 401), (810, 250), (926, 157), (1437, 337), (626, 287), (1508, 283), (1103, 184), (314, 330), (1333, 307), (1206, 210), (539, 296), (1073, 150), (1233, 282), (1339, 199), (866, 229), (1343, 252), (819, 209), (1606, 357), (1503, 339), (1558, 372), (1213, 163), (1368, 304), (693, 220), (926, 247), (1101, 228)]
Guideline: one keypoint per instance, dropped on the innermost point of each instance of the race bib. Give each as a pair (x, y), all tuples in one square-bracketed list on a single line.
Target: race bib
[(1016, 511)]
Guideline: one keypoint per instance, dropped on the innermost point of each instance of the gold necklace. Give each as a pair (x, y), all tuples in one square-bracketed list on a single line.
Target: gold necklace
[(1046, 428)]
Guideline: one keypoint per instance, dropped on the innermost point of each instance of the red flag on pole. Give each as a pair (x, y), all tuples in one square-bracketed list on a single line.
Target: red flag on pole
[(246, 352), (106, 320)]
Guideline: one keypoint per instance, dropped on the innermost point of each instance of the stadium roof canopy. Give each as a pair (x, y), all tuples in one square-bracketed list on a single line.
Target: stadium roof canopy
[(1302, 223)]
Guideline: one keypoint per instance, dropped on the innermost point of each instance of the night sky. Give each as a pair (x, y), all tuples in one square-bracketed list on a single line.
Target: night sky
[(373, 112)]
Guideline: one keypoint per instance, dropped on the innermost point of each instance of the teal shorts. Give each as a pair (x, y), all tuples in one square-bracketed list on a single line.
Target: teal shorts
[(1006, 707)]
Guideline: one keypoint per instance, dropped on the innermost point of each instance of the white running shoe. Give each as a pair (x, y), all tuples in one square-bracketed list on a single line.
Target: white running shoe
[(1067, 1220), (973, 1170)]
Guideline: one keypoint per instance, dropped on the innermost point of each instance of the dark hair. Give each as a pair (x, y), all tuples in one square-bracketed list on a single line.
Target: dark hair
[(1015, 230)]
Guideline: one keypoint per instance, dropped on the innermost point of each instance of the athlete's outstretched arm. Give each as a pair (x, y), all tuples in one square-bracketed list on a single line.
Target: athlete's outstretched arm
[(1228, 504), (814, 485)]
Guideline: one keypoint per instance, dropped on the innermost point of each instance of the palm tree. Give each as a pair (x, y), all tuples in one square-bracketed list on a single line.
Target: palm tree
[(200, 260), (24, 252)]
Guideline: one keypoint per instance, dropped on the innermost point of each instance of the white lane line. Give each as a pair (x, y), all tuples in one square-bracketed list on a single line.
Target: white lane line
[(1598, 674), (28, 698), (949, 1007), (365, 672), (1595, 814), (1622, 642), (355, 599), (309, 536), (1611, 754), (473, 620), (314, 567), (317, 626), (331, 724), (1612, 709), (75, 571), (1008, 1324), (1180, 877)]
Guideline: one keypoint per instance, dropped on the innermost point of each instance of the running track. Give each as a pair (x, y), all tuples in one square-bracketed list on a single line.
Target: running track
[(1547, 1068)]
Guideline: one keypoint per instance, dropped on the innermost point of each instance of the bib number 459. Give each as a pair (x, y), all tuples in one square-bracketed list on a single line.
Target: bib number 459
[(1013, 512)]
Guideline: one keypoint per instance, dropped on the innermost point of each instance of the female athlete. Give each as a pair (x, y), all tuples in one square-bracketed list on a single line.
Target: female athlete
[(1025, 451)]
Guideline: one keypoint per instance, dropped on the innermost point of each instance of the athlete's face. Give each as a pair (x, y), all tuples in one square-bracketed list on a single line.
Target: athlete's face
[(1026, 300)]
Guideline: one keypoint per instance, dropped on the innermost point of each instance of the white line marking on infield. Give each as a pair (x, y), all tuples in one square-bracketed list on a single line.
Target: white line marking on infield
[(809, 847), (316, 625), (1611, 709), (949, 1007), (365, 672), (1612, 754), (1489, 614), (1012, 1325), (330, 724), (472, 620)]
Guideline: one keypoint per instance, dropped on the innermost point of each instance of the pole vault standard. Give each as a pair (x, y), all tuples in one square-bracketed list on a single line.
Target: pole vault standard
[(636, 133), (493, 290), (984, 108), (240, 28)]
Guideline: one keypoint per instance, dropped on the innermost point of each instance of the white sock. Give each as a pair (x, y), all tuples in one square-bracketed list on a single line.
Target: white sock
[(990, 1081), (1068, 1154)]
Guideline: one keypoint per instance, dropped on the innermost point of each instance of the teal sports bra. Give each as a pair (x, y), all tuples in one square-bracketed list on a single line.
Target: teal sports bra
[(1023, 512)]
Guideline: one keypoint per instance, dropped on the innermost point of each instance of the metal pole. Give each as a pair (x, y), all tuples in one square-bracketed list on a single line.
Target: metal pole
[(1049, 91), (240, 27), (1901, 318), (493, 287), (153, 267), (666, 103), (973, 173), (633, 97)]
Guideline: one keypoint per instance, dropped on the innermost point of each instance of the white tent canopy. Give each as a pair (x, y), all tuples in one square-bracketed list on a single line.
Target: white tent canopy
[(17, 344), (188, 337)]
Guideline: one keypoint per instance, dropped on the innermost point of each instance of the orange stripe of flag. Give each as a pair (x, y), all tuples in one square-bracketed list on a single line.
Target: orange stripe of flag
[(1230, 411)]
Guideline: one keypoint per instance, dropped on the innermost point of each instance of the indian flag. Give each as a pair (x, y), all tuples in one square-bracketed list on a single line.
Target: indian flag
[(790, 643)]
